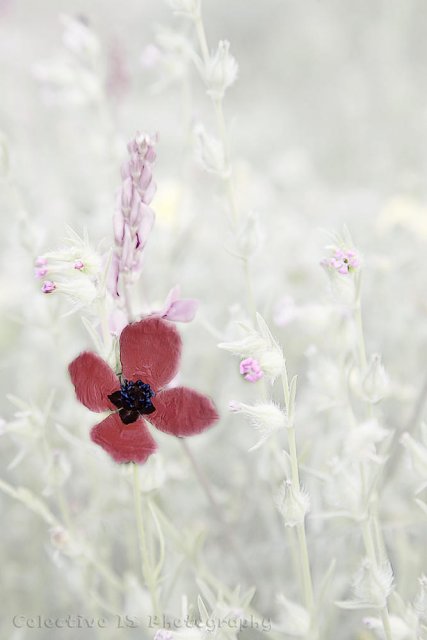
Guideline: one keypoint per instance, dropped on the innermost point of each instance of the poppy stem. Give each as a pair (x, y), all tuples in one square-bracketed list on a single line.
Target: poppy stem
[(148, 573)]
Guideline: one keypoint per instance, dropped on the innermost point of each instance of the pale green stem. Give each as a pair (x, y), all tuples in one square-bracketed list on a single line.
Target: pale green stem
[(302, 540), (148, 573), (372, 519)]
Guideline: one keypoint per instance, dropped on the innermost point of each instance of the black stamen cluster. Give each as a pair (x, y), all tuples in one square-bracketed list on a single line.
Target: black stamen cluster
[(133, 399)]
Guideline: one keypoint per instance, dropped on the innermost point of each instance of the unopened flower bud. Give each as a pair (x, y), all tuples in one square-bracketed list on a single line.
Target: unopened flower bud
[(375, 383), (293, 503), (221, 71), (210, 152), (48, 286)]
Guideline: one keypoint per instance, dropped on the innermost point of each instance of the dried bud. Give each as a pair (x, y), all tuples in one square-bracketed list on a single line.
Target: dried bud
[(221, 71), (210, 152), (293, 504)]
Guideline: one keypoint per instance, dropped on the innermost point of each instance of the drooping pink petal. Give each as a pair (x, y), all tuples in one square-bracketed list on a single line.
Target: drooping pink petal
[(182, 310), (93, 380), (182, 412), (124, 442), (150, 351), (177, 309)]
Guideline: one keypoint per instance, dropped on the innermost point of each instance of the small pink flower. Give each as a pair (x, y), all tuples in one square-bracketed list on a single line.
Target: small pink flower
[(79, 265), (48, 286), (342, 261), (40, 272), (251, 370), (41, 261)]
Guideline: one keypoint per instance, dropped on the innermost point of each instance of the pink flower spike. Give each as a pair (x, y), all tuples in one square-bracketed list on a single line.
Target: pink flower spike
[(79, 265), (251, 370), (40, 272), (41, 261), (48, 286)]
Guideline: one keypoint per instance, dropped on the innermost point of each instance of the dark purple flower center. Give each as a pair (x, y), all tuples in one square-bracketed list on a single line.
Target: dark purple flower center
[(133, 399)]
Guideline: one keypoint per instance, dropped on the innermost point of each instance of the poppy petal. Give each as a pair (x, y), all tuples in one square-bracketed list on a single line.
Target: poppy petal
[(124, 443), (93, 380), (183, 412), (150, 351)]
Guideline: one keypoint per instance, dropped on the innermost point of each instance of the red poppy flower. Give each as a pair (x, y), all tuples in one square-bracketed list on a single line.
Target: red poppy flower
[(150, 352)]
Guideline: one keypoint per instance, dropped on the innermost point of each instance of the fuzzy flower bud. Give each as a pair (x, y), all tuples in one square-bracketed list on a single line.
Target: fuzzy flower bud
[(260, 345), (361, 440), (375, 384), (371, 585), (210, 152), (293, 504), (48, 286), (266, 418), (221, 71)]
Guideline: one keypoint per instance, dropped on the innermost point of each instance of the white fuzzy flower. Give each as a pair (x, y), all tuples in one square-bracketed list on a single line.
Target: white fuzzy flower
[(294, 619), (371, 585), (267, 419), (221, 71), (293, 504), (75, 270), (210, 152), (260, 344), (375, 384), (361, 440)]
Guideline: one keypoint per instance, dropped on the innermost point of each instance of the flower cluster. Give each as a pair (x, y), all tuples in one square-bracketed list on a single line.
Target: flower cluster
[(75, 271), (343, 261), (133, 218)]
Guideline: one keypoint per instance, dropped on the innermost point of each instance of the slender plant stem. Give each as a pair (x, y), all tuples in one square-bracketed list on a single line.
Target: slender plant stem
[(372, 519), (301, 536), (147, 570)]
